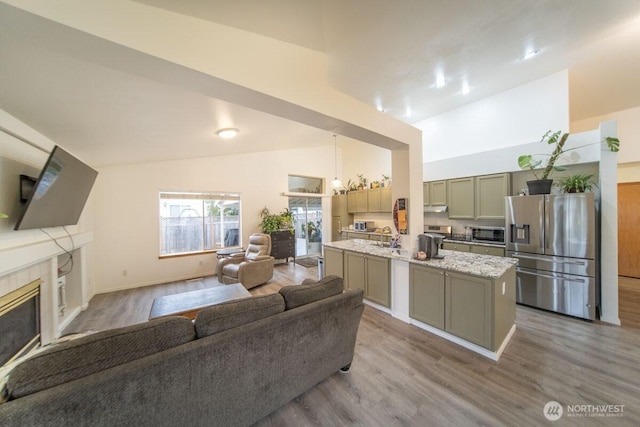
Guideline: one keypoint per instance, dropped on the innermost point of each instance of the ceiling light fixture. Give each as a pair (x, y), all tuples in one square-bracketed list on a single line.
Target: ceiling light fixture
[(336, 184), (465, 88), (440, 81), (529, 54), (227, 133)]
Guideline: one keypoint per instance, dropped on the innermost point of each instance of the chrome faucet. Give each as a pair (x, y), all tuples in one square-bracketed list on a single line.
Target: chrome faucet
[(385, 229)]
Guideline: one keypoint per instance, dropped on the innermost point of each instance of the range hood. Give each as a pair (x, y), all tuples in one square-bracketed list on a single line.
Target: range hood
[(438, 209)]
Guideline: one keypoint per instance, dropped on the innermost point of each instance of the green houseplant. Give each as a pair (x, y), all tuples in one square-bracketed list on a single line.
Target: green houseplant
[(276, 222), (542, 172), (578, 183)]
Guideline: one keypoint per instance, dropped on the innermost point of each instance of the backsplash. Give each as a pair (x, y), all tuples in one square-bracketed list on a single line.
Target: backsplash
[(458, 225)]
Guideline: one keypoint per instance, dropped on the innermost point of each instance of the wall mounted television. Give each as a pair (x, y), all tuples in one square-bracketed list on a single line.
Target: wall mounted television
[(60, 193)]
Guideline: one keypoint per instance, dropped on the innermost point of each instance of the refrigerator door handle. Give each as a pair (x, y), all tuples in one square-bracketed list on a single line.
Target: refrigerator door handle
[(571, 262), (548, 276), (542, 214)]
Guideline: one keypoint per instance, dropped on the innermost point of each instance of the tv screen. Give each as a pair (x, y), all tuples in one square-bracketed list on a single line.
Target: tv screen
[(59, 194)]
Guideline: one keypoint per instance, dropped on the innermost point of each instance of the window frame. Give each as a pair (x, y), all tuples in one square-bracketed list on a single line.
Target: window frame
[(208, 231)]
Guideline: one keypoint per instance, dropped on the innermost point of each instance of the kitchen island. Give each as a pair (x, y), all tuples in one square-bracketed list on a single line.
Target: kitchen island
[(467, 298)]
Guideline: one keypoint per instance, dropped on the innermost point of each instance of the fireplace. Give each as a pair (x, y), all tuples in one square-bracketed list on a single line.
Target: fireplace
[(19, 321)]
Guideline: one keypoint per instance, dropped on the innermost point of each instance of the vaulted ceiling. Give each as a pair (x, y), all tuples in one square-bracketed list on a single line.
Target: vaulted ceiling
[(386, 54)]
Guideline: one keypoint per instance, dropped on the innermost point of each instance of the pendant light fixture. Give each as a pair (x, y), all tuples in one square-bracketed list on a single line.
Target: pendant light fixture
[(336, 184)]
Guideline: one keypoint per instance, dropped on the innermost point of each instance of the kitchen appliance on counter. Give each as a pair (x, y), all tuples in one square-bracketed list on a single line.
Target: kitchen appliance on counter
[(494, 235), (444, 230), (363, 225), (430, 244), (555, 241)]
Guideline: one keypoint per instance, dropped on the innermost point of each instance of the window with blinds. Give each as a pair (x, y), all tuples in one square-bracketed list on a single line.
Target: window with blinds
[(193, 222)]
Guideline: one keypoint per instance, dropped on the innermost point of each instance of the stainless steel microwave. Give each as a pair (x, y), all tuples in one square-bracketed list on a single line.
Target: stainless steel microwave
[(488, 235)]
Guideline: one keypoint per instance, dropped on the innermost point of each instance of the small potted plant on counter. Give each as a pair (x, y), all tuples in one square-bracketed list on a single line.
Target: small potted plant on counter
[(385, 181), (542, 183)]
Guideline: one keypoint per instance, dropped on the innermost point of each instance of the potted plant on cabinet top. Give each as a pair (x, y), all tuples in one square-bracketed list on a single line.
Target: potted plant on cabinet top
[(362, 182), (542, 183), (578, 183), (385, 181), (271, 223)]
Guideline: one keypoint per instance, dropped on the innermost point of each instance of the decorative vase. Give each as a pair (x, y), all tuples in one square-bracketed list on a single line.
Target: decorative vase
[(540, 186)]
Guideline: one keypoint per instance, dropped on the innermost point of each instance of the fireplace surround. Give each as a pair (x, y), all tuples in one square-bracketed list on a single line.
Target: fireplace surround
[(19, 321)]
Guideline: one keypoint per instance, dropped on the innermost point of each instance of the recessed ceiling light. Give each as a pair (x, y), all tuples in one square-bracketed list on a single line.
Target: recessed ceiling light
[(529, 54), (440, 81), (465, 88), (227, 133)]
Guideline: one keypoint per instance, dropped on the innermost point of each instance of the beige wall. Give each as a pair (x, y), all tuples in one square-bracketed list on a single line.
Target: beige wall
[(126, 201), (629, 133)]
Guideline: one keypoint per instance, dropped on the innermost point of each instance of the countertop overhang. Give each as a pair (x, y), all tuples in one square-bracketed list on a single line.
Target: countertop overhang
[(463, 262)]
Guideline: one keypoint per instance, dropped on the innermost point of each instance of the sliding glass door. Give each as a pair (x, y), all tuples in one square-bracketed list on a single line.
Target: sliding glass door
[(308, 224)]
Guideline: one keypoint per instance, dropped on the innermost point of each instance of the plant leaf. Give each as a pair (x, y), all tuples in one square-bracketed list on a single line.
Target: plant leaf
[(524, 161), (613, 143)]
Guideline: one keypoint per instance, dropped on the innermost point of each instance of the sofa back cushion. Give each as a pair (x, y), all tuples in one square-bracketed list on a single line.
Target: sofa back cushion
[(235, 313), (93, 353), (308, 292)]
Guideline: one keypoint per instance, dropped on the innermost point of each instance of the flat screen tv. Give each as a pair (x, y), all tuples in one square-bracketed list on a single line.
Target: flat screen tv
[(59, 194)]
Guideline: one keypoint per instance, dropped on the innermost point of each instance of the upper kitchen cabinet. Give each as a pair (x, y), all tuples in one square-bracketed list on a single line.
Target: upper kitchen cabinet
[(434, 193), (461, 198), (479, 197), (373, 200), (379, 200), (490, 193)]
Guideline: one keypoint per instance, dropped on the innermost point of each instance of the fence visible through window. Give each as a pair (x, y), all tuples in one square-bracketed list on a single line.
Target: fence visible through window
[(198, 222)]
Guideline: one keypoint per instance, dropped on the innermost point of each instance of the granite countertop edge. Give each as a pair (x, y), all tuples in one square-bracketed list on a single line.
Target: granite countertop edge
[(487, 266)]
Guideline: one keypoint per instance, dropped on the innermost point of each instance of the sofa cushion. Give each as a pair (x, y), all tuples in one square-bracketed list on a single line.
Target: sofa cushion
[(102, 350), (234, 313), (297, 295)]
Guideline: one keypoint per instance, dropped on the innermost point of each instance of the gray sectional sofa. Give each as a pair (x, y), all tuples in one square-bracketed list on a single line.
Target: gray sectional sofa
[(236, 363)]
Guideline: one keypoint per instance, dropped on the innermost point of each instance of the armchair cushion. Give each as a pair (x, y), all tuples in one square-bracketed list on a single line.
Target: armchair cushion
[(297, 295)]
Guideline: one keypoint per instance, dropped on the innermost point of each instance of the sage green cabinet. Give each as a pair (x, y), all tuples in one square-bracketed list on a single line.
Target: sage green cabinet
[(373, 200), (487, 250), (434, 193), (490, 193), (477, 309), (340, 216), (354, 270), (461, 198), (460, 247), (333, 262), (386, 200), (468, 308), (426, 295), (369, 273), (476, 249)]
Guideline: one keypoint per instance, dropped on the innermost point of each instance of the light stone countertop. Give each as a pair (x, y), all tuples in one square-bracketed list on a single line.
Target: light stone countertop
[(461, 262)]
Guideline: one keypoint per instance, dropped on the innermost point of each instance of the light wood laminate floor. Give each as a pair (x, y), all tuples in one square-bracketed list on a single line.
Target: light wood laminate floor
[(404, 376)]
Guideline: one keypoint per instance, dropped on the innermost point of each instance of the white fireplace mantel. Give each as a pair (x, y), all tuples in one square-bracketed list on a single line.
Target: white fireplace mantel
[(22, 264)]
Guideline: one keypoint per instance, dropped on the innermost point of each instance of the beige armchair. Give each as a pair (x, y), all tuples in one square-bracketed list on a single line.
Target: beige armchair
[(252, 268)]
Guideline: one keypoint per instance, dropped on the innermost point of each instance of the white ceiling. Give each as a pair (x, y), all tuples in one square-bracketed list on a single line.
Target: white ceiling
[(384, 53)]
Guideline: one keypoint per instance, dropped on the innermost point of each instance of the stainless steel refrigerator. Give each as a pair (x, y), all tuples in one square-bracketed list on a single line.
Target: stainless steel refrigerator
[(555, 240)]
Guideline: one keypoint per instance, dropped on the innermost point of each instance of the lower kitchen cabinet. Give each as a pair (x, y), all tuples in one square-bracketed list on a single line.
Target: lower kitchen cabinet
[(487, 250), (369, 273), (461, 247), (468, 308), (333, 265), (477, 309), (426, 295)]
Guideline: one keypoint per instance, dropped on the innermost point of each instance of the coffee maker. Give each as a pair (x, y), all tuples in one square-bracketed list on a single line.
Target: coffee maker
[(429, 243)]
